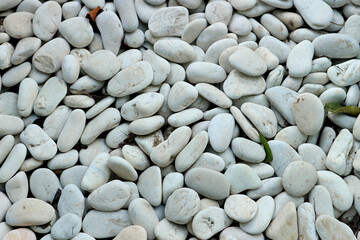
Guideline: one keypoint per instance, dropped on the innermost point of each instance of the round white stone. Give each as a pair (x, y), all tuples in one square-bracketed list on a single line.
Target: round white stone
[(240, 208)]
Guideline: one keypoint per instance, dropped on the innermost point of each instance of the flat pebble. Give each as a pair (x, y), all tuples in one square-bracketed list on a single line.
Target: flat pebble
[(71, 201), (46, 20), (93, 223), (134, 232), (304, 51), (339, 191), (208, 183), (66, 226), (344, 74), (308, 10), (141, 213), (299, 178), (241, 178), (329, 227), (210, 221), (270, 186), (44, 184), (182, 205), (64, 160), (284, 225), (28, 212), (320, 198), (17, 187), (313, 154), (261, 221), (131, 79), (134, 155), (111, 31), (122, 168), (205, 72), (150, 185), (213, 95), (248, 62), (240, 208), (39, 144), (176, 50), (220, 139)]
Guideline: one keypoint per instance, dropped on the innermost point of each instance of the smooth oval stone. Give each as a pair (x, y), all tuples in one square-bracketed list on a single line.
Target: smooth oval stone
[(145, 126), (219, 137), (142, 213), (24, 49), (71, 9), (8, 4), (136, 157), (39, 144), (277, 47), (64, 160), (192, 30), (19, 24), (13, 162), (101, 65), (44, 184), (247, 150), (262, 117), (72, 130), (49, 57), (274, 25), (97, 174), (283, 155), (150, 185), (313, 154), (144, 105), (50, 95), (240, 208), (71, 201), (73, 175), (334, 94), (261, 221), (239, 24), (5, 205), (306, 221), (11, 125), (309, 11), (93, 223), (168, 21), (29, 212), (339, 191), (182, 205), (238, 233), (271, 186), (127, 13), (134, 232), (78, 101), (165, 230), (291, 135), (339, 152), (66, 226), (299, 178), (174, 50), (55, 122), (304, 51), (185, 117), (111, 31), (46, 20), (106, 120), (208, 183), (241, 177), (286, 217), (282, 99), (238, 85), (191, 152), (77, 31), (263, 170), (344, 74), (320, 198), (70, 69), (17, 187), (131, 79), (28, 91), (248, 62), (335, 45), (20, 234), (181, 95), (210, 221), (85, 85), (214, 51), (161, 67), (211, 34), (213, 95), (6, 52), (122, 168), (269, 58), (218, 12), (329, 227), (165, 152), (111, 196), (171, 182), (205, 72), (305, 104)]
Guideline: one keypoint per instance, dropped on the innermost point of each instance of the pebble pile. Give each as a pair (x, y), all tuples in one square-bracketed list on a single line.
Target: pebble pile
[(142, 121)]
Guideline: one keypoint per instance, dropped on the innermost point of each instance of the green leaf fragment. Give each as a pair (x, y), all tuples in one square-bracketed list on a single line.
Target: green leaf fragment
[(335, 107), (269, 156)]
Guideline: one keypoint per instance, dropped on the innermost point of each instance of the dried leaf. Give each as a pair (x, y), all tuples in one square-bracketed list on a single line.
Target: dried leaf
[(269, 156), (335, 107), (93, 13)]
